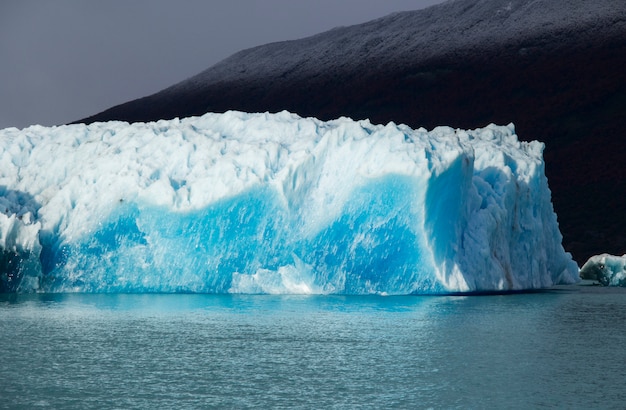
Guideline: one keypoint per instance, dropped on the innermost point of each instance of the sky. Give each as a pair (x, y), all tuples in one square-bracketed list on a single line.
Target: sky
[(63, 60)]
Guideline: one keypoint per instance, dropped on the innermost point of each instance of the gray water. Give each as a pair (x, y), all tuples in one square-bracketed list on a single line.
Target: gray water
[(559, 348)]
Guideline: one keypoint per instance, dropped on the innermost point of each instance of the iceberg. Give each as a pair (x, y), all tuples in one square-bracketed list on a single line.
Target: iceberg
[(275, 203), (609, 270)]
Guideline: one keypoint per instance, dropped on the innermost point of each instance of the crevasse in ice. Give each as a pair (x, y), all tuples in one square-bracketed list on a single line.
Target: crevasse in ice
[(275, 203)]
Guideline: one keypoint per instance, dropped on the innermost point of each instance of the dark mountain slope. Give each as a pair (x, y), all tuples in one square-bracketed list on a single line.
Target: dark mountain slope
[(555, 69)]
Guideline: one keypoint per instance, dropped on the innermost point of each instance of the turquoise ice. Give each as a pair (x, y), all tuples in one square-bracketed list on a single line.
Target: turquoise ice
[(275, 203)]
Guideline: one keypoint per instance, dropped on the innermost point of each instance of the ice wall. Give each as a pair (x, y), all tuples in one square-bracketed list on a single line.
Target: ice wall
[(275, 203)]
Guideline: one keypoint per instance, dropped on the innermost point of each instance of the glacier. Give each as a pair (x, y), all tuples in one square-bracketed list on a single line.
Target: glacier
[(276, 204)]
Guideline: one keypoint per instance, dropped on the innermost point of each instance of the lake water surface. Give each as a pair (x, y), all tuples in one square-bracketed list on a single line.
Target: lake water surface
[(564, 347)]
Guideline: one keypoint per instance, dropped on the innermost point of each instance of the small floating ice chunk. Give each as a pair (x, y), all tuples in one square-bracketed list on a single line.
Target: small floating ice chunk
[(609, 270)]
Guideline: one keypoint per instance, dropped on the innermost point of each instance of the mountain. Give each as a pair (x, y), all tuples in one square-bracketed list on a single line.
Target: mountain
[(555, 69)]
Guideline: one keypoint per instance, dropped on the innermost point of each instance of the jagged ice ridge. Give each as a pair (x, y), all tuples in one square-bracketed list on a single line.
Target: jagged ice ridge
[(275, 203)]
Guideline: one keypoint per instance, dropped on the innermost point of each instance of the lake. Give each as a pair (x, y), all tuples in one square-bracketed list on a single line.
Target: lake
[(563, 347)]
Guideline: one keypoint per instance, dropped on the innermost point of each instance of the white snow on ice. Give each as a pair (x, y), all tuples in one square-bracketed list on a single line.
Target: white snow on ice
[(275, 203)]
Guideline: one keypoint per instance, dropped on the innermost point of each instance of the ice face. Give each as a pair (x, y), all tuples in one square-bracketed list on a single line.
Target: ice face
[(275, 203), (607, 269)]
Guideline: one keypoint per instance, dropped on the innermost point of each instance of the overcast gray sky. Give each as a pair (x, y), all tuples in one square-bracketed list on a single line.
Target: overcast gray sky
[(63, 60)]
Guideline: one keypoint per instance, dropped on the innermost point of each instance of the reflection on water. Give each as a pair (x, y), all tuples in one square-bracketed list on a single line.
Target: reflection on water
[(556, 348)]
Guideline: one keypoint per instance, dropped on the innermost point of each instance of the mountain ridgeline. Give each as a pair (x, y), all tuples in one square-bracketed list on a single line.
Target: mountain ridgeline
[(555, 69)]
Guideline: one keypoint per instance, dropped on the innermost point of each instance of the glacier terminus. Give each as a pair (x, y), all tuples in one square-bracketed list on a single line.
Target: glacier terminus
[(278, 204)]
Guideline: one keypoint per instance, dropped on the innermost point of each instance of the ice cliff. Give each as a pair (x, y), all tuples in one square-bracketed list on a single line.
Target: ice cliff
[(275, 203)]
